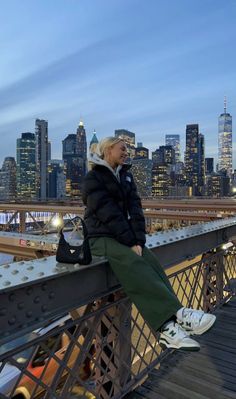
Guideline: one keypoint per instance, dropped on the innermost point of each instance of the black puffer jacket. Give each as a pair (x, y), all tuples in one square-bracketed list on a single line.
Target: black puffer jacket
[(113, 208)]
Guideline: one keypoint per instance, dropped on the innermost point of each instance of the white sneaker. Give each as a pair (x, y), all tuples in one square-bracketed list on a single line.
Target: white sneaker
[(173, 336), (195, 321)]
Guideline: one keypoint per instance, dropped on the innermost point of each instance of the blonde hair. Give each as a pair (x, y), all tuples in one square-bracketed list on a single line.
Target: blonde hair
[(101, 147), (106, 143), (93, 149)]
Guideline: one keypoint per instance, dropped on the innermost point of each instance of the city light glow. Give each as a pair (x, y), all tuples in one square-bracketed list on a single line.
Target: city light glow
[(57, 221)]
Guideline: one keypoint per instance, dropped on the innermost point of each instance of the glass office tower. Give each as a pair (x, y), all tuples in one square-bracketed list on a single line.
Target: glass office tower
[(26, 166), (225, 142)]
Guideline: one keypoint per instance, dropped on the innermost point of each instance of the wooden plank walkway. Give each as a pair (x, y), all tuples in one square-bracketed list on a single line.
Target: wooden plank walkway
[(209, 373)]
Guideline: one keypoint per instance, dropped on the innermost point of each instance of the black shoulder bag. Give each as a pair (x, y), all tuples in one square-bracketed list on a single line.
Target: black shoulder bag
[(67, 253)]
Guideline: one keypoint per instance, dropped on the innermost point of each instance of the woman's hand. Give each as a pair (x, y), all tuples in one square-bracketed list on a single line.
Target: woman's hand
[(137, 249)]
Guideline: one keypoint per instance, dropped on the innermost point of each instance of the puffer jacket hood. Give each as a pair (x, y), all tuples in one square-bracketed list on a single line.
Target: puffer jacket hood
[(95, 159)]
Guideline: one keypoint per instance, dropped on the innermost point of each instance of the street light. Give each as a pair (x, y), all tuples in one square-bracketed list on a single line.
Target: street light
[(57, 221)]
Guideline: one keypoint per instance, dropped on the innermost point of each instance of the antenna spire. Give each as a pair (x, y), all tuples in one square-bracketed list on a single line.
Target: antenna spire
[(225, 103)]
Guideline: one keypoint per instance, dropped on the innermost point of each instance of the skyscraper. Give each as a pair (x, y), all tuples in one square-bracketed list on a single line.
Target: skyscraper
[(141, 152), (161, 179), (129, 139), (194, 159), (225, 142), (74, 153), (142, 172), (8, 179), (174, 141), (81, 146), (201, 163), (41, 131), (209, 165), (94, 139), (26, 166), (218, 185), (164, 154), (70, 158), (56, 179), (81, 152)]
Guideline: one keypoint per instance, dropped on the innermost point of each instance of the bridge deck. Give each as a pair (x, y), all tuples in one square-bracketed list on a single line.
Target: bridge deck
[(209, 373)]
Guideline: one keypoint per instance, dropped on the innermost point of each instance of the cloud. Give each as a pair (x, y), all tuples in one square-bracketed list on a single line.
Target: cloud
[(64, 71)]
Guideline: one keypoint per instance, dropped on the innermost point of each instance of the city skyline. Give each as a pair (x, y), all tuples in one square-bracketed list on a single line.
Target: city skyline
[(151, 69), (34, 175), (138, 141)]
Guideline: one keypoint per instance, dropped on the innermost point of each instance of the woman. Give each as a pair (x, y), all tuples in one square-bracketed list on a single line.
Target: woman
[(116, 228)]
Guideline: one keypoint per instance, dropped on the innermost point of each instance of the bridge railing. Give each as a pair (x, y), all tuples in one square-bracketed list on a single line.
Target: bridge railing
[(101, 347), (42, 218)]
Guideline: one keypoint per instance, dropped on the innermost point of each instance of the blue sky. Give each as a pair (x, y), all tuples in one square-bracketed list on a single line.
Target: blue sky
[(148, 66)]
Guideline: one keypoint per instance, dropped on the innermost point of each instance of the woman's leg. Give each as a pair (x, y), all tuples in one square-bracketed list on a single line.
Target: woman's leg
[(153, 261), (146, 287)]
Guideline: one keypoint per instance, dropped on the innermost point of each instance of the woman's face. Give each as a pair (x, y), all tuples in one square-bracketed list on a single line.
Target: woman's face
[(117, 154)]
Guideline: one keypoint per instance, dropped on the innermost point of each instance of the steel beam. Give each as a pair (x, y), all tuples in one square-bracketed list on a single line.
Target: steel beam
[(26, 245), (38, 290), (177, 245), (222, 205)]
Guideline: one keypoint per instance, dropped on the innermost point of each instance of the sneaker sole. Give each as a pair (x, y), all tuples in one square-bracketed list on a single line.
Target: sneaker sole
[(165, 346), (205, 329)]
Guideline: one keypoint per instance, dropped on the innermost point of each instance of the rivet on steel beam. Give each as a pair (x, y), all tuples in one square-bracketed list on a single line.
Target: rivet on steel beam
[(15, 271), (40, 274), (29, 291), (44, 287), (30, 268), (21, 305), (6, 266), (25, 278), (51, 295), (3, 311), (37, 299), (44, 308), (6, 283), (29, 314), (12, 321), (12, 297)]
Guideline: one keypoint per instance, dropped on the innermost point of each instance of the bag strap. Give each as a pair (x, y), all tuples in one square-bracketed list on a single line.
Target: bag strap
[(85, 231)]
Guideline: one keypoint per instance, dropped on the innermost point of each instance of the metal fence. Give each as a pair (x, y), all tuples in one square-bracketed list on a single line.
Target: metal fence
[(104, 349)]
